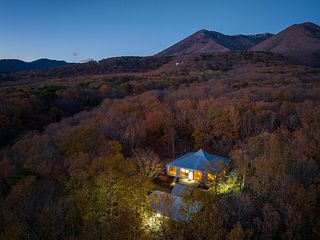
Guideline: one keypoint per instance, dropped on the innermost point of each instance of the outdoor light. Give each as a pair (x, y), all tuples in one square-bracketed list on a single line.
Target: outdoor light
[(158, 215)]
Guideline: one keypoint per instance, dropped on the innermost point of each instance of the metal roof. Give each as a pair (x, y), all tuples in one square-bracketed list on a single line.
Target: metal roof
[(200, 160)]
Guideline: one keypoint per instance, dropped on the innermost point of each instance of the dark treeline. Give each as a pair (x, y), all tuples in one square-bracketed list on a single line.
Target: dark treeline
[(79, 179)]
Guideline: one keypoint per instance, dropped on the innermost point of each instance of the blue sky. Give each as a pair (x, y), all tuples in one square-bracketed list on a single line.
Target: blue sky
[(75, 30)]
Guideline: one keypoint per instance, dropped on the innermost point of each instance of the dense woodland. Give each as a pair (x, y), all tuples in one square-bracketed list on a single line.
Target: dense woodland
[(69, 166)]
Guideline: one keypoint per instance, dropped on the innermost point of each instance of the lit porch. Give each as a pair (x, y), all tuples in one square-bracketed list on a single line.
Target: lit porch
[(188, 182)]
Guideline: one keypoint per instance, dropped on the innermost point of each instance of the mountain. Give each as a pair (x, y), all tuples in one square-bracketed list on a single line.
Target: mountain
[(15, 65), (208, 42), (300, 43)]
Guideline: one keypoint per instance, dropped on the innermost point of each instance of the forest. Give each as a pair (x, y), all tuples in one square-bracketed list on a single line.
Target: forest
[(73, 139)]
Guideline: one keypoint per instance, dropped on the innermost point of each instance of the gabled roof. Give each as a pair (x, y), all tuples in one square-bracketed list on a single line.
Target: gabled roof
[(200, 160)]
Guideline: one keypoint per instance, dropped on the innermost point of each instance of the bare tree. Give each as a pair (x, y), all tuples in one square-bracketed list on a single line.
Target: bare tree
[(148, 163)]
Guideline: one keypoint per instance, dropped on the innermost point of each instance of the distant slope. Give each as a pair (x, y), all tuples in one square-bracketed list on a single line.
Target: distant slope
[(209, 42), (300, 43), (15, 65), (113, 65), (142, 65)]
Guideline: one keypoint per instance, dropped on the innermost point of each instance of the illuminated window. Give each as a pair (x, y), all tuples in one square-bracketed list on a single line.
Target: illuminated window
[(197, 175), (172, 170), (184, 172), (211, 177)]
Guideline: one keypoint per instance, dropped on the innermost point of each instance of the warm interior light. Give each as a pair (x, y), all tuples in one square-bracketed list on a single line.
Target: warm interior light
[(172, 170), (158, 215), (184, 172)]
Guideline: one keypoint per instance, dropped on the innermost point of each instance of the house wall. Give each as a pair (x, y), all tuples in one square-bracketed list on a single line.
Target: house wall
[(178, 172), (178, 175)]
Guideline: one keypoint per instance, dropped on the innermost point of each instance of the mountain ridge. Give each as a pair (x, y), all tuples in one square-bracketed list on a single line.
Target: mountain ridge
[(16, 65), (205, 41), (300, 43)]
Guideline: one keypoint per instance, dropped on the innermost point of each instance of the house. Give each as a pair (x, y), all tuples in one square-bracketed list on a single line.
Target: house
[(191, 169), (197, 166)]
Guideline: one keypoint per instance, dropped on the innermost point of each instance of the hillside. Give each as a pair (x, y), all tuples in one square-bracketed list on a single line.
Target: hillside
[(45, 96), (300, 43), (72, 147)]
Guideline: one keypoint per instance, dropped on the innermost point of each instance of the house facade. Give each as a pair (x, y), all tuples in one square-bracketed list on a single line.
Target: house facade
[(198, 166)]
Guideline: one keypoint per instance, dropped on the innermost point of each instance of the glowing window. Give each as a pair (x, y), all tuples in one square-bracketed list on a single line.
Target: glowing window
[(172, 170), (211, 177), (184, 172), (197, 175)]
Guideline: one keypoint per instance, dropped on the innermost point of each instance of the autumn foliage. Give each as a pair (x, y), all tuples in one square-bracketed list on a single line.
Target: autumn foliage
[(87, 171)]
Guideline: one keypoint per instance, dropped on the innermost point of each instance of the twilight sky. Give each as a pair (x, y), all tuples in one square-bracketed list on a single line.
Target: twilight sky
[(76, 30)]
